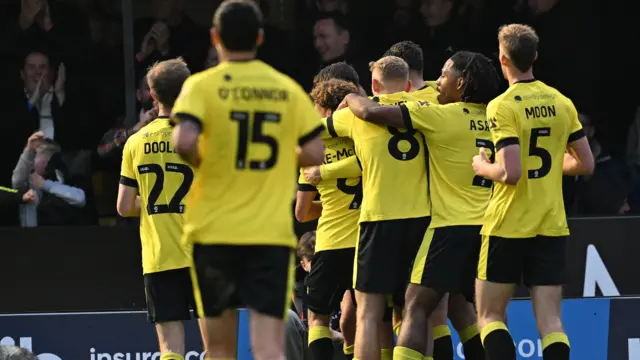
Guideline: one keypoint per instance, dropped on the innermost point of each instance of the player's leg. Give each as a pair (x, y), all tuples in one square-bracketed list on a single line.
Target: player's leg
[(214, 280), (168, 302), (545, 275), (499, 269), (386, 332), (348, 323), (265, 286), (420, 300), (372, 282), (442, 345), (462, 312), (324, 292)]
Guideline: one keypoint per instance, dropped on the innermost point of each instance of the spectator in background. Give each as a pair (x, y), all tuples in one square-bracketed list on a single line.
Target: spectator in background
[(606, 191), (15, 353), (332, 41), (212, 58), (40, 167), (170, 34), (443, 36), (406, 24)]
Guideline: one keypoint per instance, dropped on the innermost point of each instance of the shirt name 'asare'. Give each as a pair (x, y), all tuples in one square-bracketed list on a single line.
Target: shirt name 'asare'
[(245, 93)]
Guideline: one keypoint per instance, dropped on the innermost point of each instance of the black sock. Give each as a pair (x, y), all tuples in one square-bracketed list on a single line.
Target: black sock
[(443, 348), (320, 343), (497, 342), (473, 349)]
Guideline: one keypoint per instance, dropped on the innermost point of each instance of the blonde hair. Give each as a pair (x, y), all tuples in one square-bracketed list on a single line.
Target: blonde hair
[(391, 68), (520, 44)]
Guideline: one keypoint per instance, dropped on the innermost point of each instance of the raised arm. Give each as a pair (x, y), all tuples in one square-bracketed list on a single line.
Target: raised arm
[(368, 110)]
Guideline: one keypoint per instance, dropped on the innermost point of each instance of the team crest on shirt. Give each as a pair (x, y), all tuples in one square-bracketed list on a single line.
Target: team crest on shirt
[(517, 98), (227, 77)]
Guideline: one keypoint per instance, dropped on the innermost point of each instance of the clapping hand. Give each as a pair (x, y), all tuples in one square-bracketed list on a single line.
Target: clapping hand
[(36, 180), (34, 140), (30, 197), (61, 79)]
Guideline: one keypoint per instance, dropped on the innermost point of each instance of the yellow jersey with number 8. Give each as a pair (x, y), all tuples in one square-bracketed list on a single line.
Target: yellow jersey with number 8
[(542, 121), (394, 164), (341, 200), (252, 119), (163, 180)]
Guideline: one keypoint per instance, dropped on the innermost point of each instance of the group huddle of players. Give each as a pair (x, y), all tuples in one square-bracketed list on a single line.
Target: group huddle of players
[(436, 199)]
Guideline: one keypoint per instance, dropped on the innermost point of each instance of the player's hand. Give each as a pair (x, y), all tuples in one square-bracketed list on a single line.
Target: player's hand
[(344, 103), (312, 175), (34, 140), (36, 180), (479, 160), (30, 197)]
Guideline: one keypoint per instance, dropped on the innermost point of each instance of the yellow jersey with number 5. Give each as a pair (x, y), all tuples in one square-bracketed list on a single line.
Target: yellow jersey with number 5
[(394, 164), (163, 180), (542, 121), (341, 200), (252, 119)]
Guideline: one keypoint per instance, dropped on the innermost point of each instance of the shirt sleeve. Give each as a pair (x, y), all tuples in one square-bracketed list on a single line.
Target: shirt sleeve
[(347, 168), (309, 124), (502, 120), (127, 172), (575, 128), (191, 104), (303, 184), (339, 124), (421, 115)]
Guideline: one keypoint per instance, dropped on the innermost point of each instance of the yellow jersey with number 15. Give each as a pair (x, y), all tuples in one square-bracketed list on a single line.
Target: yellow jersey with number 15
[(163, 180), (341, 200), (252, 118), (454, 134), (542, 121), (394, 164)]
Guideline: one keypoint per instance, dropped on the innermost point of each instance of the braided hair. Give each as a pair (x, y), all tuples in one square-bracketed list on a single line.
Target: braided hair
[(481, 80)]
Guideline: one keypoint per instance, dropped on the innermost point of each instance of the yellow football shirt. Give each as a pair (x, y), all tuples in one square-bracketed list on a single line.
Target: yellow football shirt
[(163, 180), (542, 121), (341, 200), (394, 164), (252, 119), (454, 133)]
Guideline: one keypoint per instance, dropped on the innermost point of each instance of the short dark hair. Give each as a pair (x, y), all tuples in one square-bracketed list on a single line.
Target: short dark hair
[(339, 19), (481, 80), (329, 94), (238, 23), (166, 78), (340, 70), (410, 52), (520, 43), (15, 353), (307, 245)]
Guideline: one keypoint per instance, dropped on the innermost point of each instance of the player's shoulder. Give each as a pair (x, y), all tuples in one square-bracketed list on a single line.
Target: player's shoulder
[(428, 93), (507, 99)]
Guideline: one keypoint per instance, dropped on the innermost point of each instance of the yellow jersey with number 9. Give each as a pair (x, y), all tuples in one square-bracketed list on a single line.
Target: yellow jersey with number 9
[(341, 200), (163, 180), (542, 121), (394, 164), (252, 118)]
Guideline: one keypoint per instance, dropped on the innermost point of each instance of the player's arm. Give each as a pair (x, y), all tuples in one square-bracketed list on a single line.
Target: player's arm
[(347, 168), (507, 168), (189, 114), (579, 159), (368, 110), (306, 208), (128, 203)]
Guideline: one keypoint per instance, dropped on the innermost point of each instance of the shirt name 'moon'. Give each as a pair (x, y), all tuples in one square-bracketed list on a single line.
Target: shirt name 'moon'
[(246, 93), (540, 111)]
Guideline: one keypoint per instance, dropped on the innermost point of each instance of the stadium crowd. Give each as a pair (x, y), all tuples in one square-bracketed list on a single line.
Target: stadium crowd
[(64, 70)]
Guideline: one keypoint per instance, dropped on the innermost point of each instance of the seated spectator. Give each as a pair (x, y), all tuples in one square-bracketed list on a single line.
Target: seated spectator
[(15, 353), (41, 168)]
